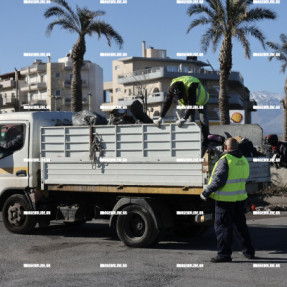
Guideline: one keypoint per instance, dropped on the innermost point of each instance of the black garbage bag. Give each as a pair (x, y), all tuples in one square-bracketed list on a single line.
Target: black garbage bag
[(87, 118), (247, 148), (121, 117)]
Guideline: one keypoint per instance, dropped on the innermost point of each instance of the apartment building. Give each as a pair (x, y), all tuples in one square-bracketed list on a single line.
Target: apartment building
[(9, 91), (149, 77), (48, 85)]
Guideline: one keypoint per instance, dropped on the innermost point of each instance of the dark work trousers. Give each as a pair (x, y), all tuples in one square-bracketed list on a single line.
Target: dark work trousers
[(229, 218), (203, 118), (203, 113)]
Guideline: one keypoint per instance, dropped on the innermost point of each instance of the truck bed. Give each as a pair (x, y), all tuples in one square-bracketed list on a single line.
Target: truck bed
[(135, 159), (134, 155)]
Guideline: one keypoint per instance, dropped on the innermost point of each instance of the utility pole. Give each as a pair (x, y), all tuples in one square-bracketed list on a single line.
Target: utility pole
[(90, 101)]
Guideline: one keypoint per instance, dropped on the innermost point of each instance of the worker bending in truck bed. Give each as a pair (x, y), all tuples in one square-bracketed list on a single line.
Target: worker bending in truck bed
[(188, 91), (227, 187)]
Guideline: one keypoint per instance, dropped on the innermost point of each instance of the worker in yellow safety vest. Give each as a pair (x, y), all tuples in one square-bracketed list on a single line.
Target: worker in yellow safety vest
[(227, 186), (191, 95)]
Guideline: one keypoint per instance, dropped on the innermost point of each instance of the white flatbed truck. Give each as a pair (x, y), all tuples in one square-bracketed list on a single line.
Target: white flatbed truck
[(146, 179)]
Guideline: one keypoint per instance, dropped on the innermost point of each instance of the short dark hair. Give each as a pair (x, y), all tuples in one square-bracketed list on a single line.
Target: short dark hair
[(232, 143), (177, 89)]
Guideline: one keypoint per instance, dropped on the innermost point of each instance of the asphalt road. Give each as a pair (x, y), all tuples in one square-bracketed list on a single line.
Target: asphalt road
[(73, 257)]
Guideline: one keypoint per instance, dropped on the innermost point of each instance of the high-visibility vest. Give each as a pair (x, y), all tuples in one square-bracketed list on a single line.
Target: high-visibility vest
[(202, 95), (234, 188)]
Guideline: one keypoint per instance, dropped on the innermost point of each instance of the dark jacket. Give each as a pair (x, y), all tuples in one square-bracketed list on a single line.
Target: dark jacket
[(14, 144), (221, 173), (191, 101)]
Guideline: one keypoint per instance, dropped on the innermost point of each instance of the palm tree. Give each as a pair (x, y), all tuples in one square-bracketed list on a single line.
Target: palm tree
[(281, 54), (84, 22), (232, 19)]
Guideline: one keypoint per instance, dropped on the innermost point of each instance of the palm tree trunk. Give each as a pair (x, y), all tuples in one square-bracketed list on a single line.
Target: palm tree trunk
[(284, 102), (225, 60), (77, 56)]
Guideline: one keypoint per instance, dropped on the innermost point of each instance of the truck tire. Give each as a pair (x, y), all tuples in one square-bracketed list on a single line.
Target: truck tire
[(13, 215), (137, 227)]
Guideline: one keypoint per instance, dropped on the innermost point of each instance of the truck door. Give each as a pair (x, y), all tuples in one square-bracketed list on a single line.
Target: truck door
[(14, 152)]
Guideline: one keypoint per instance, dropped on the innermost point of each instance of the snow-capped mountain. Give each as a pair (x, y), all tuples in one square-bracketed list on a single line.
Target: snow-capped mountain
[(270, 120)]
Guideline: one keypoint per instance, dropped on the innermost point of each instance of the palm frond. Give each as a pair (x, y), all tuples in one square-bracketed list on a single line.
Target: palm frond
[(101, 27), (198, 9), (257, 14), (240, 35), (283, 39), (274, 46), (206, 39), (61, 14), (281, 49), (199, 21), (254, 32), (64, 4), (63, 23)]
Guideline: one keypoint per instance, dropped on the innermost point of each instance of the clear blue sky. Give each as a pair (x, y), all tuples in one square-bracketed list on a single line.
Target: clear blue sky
[(161, 23)]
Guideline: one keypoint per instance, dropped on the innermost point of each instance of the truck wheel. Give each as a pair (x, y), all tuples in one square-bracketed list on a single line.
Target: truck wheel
[(13, 215), (137, 227)]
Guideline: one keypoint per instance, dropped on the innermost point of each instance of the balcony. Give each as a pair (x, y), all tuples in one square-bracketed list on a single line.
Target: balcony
[(33, 87), (142, 75), (68, 83), (8, 84), (38, 86), (155, 98), (37, 69), (69, 66), (235, 78), (25, 88), (33, 69)]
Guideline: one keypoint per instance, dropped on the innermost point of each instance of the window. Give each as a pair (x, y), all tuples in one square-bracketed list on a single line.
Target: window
[(185, 69), (172, 68), (117, 67), (118, 90), (57, 75), (11, 138), (58, 93)]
